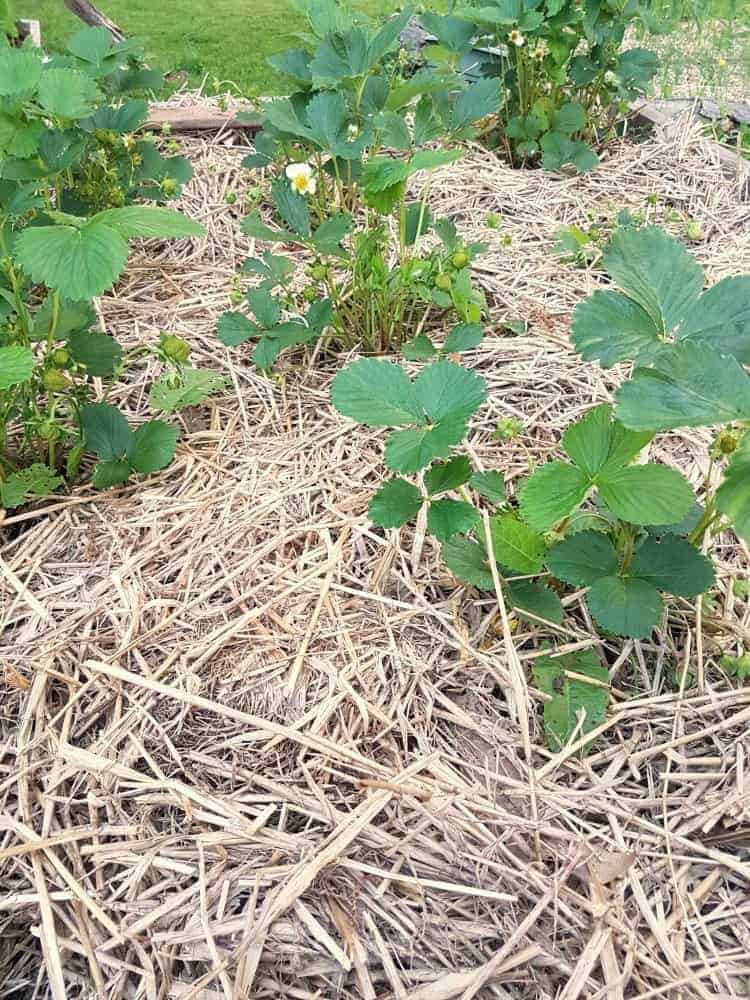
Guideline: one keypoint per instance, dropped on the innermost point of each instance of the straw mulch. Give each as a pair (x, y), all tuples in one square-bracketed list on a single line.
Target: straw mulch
[(251, 746)]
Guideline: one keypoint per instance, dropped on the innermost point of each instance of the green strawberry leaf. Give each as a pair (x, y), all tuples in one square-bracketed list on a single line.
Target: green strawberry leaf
[(106, 431), (292, 207), (574, 705), (446, 390), (264, 307), (20, 70), (646, 494), (463, 337), (609, 328), (468, 562), (443, 476), (533, 600), (194, 386), (733, 496), (446, 518), (674, 565), (581, 559), (721, 318), (412, 449), (67, 93), (489, 485), (626, 606), (376, 393), (419, 348), (396, 502), (515, 545), (110, 473), (153, 446), (689, 385), (553, 492), (657, 272), (98, 352), (149, 222), (36, 481), (79, 262), (16, 365)]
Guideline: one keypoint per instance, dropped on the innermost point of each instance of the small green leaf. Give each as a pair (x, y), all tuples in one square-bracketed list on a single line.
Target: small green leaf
[(396, 502), (581, 559), (444, 476), (418, 221), (532, 600), (646, 494), (515, 545), (674, 565), (445, 390), (552, 493), (234, 328), (588, 440), (569, 118), (37, 481), (264, 307), (292, 207), (252, 225), (468, 562), (626, 606), (67, 93), (376, 393), (575, 705), (329, 234), (477, 101), (153, 446), (106, 431), (20, 70), (194, 386), (16, 365), (110, 473), (419, 348), (98, 352), (733, 496), (609, 328), (413, 449), (463, 337), (489, 485), (446, 518)]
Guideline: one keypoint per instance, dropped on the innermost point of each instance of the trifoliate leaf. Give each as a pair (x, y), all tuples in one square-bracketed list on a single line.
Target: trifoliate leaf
[(533, 600), (721, 318), (445, 389), (575, 706), (111, 473), (646, 494), (377, 394), (98, 352), (16, 365), (552, 493), (106, 431), (581, 559), (609, 328), (656, 271), (194, 386), (234, 328), (80, 263), (37, 481), (413, 449), (67, 93), (489, 485), (689, 385), (626, 606), (515, 545), (733, 496), (463, 337), (674, 565), (468, 562), (396, 502), (149, 221), (91, 44), (569, 118), (446, 518), (153, 446), (273, 268), (443, 476)]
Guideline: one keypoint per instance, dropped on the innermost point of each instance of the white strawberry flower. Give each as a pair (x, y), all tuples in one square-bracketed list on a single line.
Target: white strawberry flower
[(301, 178), (516, 38)]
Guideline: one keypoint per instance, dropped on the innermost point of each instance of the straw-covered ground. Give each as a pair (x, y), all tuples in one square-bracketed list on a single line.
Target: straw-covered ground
[(251, 746)]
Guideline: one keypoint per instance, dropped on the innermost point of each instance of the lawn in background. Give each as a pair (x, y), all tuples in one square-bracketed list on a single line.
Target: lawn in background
[(226, 39)]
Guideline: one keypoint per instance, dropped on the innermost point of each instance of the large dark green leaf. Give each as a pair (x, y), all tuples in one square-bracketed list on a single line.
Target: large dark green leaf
[(674, 565), (582, 558), (515, 545), (80, 263), (153, 446), (609, 328), (444, 476), (552, 493), (575, 705), (531, 598), (467, 560), (413, 449), (106, 431), (396, 502), (721, 318), (446, 518), (98, 352), (646, 494), (292, 207), (376, 393), (626, 606), (233, 328), (445, 389)]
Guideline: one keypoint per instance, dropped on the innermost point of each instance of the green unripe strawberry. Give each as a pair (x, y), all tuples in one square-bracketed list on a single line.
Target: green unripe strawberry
[(174, 348), (443, 282), (309, 294), (49, 431), (60, 357), (319, 272), (236, 297), (493, 220), (169, 186), (693, 231), (54, 381), (230, 197), (460, 259)]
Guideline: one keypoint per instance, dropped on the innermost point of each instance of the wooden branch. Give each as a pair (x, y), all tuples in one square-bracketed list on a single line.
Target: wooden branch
[(197, 119), (88, 13)]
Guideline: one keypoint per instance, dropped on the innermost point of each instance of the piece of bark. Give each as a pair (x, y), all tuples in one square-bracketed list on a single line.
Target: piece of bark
[(197, 119), (88, 12)]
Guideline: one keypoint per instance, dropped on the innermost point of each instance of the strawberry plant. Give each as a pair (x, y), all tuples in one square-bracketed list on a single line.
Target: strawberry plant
[(691, 349), (340, 152), (558, 66), (65, 222)]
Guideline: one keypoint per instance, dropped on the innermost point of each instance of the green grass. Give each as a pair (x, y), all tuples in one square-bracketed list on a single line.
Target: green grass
[(227, 39)]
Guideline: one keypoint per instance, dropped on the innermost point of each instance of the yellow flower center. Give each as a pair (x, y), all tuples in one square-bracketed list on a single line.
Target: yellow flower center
[(301, 183)]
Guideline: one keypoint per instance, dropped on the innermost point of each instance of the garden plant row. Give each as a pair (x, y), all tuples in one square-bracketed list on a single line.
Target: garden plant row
[(386, 275)]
